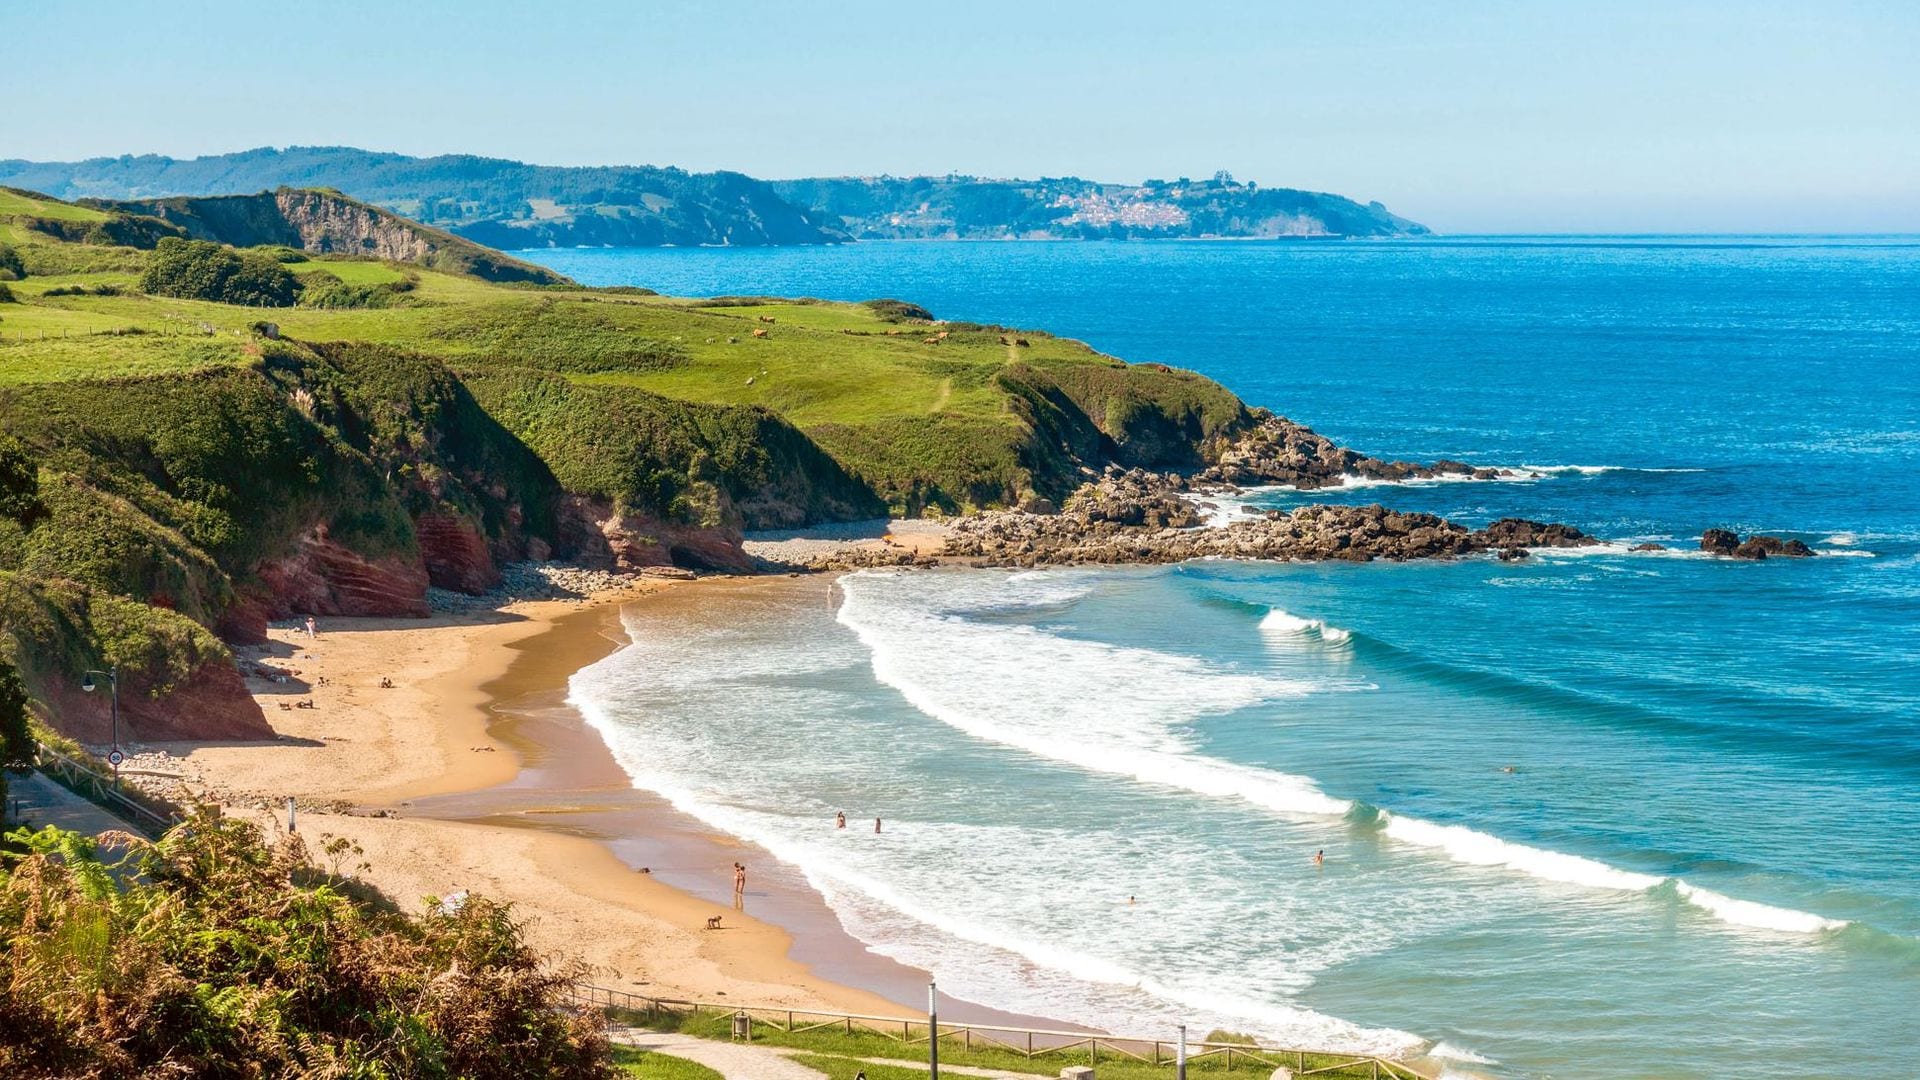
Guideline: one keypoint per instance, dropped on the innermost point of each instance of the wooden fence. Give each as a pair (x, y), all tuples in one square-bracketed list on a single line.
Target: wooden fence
[(101, 789), (1031, 1043)]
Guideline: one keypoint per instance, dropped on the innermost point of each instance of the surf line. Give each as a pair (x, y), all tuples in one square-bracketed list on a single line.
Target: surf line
[(1279, 793)]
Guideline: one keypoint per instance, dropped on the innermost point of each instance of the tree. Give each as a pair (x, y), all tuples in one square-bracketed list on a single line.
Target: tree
[(200, 270), (16, 740)]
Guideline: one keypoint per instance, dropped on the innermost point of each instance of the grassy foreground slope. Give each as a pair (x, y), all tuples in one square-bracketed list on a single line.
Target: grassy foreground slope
[(197, 468)]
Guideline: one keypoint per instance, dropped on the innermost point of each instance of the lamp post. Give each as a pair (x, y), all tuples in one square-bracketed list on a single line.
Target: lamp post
[(87, 683), (933, 1031)]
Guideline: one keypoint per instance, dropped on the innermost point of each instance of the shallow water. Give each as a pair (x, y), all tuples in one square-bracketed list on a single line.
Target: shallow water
[(1701, 861)]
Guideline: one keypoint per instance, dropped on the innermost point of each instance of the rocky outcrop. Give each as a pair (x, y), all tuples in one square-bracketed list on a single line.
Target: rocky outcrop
[(1141, 517), (604, 539), (211, 704), (326, 221), (1724, 542), (455, 554), (1279, 451), (1521, 533), (323, 577)]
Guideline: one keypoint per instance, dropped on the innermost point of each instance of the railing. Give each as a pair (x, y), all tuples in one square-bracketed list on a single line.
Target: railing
[(101, 790), (1030, 1043)]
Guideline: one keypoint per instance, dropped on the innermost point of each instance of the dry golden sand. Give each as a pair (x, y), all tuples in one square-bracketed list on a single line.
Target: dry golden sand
[(428, 736)]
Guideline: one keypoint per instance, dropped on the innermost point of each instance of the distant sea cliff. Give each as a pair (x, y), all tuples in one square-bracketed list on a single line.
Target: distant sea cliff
[(511, 205)]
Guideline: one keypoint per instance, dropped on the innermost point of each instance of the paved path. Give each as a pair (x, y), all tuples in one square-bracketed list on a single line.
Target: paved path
[(735, 1061), (43, 803)]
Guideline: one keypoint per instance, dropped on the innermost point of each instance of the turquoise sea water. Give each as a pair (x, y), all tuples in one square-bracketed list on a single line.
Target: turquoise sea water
[(1703, 861)]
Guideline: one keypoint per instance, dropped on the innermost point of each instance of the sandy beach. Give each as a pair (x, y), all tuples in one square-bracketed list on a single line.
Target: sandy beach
[(469, 773)]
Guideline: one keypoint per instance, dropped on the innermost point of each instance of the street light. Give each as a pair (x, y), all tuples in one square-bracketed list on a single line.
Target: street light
[(88, 685)]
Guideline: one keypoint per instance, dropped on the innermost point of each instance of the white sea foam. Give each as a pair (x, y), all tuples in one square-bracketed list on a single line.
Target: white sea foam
[(1277, 621), (1023, 688), (1748, 913), (1471, 846), (1052, 975), (1446, 1051), (1476, 848), (1031, 690)]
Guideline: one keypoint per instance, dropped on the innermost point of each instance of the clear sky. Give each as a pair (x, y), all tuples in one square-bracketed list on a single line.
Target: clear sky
[(1682, 115)]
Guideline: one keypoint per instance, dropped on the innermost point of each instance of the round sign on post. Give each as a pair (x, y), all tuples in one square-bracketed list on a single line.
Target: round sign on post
[(115, 757)]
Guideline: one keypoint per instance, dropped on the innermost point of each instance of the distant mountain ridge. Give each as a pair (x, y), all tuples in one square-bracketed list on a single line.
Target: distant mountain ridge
[(511, 205), (967, 207)]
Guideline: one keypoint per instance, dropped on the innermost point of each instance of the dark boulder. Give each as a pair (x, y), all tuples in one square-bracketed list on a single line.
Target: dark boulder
[(1719, 541), (1519, 532)]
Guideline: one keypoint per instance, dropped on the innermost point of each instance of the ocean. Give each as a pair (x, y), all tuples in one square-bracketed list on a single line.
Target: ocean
[(1594, 814)]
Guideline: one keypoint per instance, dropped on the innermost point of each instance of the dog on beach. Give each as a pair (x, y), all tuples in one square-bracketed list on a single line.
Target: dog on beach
[(713, 922)]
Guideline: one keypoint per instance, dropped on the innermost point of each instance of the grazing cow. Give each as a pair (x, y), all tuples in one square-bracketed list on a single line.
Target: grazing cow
[(759, 333), (765, 318)]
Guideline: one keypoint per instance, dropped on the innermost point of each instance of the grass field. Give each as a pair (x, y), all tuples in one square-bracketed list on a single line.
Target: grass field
[(921, 412), (841, 1053)]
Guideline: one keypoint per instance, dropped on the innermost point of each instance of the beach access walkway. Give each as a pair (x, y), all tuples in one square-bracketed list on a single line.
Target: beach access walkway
[(41, 802), (744, 1061)]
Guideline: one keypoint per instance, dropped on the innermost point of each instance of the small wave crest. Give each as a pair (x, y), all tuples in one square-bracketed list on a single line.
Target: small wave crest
[(1446, 1051), (1476, 848), (1278, 621)]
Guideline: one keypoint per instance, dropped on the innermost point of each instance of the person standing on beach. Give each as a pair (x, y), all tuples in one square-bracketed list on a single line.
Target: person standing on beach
[(840, 820), (312, 629), (876, 824), (739, 885)]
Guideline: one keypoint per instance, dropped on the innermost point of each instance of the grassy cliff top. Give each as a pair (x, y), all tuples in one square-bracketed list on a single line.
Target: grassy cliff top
[(814, 362)]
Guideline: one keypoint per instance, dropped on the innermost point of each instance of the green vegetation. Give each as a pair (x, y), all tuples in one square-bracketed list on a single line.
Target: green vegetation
[(312, 220), (511, 205), (201, 270), (16, 735), (189, 451), (841, 1053), (215, 953), (651, 1066)]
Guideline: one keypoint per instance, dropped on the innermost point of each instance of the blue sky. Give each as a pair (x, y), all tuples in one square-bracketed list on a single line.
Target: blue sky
[(1470, 116)]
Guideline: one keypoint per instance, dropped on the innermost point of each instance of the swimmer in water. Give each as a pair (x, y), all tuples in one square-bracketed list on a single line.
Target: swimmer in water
[(1320, 858)]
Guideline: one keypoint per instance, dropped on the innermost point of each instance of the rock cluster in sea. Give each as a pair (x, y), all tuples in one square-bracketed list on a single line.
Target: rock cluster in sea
[(1141, 517), (1728, 543), (1279, 451)]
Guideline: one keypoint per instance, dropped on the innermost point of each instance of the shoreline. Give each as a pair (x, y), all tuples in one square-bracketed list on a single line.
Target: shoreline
[(508, 792)]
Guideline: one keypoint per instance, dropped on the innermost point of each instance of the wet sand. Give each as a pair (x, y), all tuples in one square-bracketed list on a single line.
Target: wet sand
[(471, 773)]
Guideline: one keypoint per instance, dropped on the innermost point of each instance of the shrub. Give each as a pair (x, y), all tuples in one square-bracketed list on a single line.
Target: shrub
[(6, 295), (16, 739), (340, 294), (200, 270), (898, 310), (213, 952), (12, 267)]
